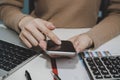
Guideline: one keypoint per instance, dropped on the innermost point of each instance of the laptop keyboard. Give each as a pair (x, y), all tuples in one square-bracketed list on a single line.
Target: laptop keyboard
[(12, 55), (103, 68)]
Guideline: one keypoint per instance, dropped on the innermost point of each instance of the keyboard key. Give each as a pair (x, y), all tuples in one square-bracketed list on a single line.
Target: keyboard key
[(118, 57), (113, 71), (110, 67), (116, 76), (89, 59), (99, 77), (118, 67), (93, 67), (112, 58), (107, 63), (102, 67), (96, 72), (104, 58), (107, 76), (91, 63), (104, 72)]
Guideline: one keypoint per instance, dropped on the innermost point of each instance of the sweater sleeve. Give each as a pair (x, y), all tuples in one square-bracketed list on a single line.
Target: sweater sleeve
[(10, 13), (109, 27)]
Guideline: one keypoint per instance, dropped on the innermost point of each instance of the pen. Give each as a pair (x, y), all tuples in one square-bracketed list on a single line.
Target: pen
[(27, 75), (55, 76)]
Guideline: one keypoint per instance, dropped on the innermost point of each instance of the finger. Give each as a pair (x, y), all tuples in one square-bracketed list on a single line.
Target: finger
[(47, 32), (25, 41), (49, 25), (71, 39), (53, 37), (76, 46), (81, 46), (43, 44), (30, 38), (35, 32), (74, 41)]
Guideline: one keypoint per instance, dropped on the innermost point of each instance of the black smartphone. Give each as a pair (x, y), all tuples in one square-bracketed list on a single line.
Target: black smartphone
[(66, 49)]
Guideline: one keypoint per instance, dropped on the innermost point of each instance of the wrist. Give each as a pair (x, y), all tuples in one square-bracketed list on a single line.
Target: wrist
[(24, 21), (91, 43)]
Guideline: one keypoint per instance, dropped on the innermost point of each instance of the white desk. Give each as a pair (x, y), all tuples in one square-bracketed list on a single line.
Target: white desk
[(40, 69)]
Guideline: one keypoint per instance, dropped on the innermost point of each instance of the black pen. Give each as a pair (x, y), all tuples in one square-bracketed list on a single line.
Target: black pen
[(27, 75), (55, 76)]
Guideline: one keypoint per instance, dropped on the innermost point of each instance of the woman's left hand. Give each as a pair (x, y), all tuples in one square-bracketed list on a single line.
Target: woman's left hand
[(81, 42)]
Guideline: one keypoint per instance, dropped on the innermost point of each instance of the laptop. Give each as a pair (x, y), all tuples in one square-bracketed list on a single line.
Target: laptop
[(12, 56)]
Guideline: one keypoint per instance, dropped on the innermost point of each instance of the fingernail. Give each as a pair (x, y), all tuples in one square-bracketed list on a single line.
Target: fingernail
[(77, 50), (43, 45), (51, 25), (59, 41)]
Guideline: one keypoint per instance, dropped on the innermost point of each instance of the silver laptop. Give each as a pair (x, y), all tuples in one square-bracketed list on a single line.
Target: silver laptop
[(12, 57)]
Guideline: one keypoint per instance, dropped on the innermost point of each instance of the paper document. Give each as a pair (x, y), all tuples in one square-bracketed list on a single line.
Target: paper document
[(71, 69)]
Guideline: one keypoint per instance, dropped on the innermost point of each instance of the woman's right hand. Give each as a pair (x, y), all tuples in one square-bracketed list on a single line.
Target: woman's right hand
[(34, 30)]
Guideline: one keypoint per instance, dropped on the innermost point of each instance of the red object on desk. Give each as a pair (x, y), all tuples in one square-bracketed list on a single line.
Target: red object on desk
[(54, 66)]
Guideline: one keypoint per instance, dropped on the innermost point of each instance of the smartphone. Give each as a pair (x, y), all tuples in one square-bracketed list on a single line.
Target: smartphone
[(66, 49)]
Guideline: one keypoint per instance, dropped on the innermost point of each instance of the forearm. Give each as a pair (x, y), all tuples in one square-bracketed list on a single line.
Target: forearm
[(11, 16), (10, 12), (105, 30), (109, 27)]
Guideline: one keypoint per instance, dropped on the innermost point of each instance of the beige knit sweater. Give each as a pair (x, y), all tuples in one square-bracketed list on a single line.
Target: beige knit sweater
[(68, 14)]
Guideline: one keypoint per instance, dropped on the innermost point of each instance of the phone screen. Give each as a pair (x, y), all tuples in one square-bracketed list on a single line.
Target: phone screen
[(66, 46)]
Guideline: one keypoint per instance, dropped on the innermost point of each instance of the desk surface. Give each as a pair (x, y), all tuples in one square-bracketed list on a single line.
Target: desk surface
[(40, 67)]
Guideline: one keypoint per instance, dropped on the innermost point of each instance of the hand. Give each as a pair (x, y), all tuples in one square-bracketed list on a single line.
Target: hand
[(33, 31), (81, 42)]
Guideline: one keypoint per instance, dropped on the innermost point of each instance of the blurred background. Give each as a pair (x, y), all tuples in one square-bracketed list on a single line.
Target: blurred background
[(26, 8)]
